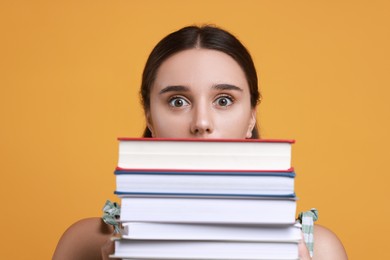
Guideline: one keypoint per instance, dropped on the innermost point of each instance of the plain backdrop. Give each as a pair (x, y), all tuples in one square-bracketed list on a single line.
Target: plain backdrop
[(70, 76)]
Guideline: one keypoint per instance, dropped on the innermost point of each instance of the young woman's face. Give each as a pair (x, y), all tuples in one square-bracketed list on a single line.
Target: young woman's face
[(200, 93)]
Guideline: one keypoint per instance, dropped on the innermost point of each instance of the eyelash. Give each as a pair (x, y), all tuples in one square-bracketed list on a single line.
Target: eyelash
[(175, 98), (230, 98)]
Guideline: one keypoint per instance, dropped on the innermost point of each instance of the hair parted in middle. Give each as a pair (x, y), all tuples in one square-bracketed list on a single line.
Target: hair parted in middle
[(206, 37)]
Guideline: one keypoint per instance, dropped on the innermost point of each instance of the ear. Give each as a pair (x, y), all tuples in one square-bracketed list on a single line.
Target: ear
[(149, 123), (252, 123)]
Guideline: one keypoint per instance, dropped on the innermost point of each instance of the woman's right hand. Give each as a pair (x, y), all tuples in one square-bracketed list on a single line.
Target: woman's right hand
[(108, 249)]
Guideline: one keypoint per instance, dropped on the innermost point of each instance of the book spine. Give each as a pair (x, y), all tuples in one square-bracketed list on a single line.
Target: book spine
[(124, 194), (289, 173)]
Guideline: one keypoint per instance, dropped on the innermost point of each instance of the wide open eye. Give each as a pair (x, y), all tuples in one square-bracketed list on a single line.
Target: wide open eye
[(178, 102), (224, 101)]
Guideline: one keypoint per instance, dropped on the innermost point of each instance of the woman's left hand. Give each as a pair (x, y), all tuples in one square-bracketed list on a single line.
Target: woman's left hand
[(303, 252)]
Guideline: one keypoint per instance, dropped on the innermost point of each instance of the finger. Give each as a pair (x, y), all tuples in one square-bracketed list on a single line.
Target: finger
[(107, 249), (303, 252)]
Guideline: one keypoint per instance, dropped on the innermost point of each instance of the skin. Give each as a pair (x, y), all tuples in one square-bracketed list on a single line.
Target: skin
[(200, 104), (188, 101), (89, 239)]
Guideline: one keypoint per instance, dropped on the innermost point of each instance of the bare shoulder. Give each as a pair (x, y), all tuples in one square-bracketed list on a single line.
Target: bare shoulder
[(327, 245), (83, 240)]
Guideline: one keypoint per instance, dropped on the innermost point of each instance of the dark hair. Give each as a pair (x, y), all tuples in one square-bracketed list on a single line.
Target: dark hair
[(207, 37)]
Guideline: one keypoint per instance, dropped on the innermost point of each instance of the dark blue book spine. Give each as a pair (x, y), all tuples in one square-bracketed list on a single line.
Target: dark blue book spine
[(289, 174)]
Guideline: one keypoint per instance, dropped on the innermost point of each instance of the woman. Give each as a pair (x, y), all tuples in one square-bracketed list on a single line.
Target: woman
[(198, 82)]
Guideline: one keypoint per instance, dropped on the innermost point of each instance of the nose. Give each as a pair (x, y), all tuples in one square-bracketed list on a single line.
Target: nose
[(202, 123)]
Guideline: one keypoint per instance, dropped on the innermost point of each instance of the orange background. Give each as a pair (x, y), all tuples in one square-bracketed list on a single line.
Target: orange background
[(70, 72)]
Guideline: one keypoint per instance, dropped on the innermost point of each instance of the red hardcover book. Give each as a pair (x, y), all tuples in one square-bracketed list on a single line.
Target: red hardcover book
[(205, 154)]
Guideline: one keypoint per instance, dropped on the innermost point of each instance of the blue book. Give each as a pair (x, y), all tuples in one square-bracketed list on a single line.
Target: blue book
[(206, 183)]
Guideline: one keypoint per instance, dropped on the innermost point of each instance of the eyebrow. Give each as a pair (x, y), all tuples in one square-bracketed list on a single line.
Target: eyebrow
[(226, 87), (177, 88)]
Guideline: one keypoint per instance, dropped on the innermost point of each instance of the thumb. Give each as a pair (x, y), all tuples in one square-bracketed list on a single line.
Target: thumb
[(303, 252), (108, 249)]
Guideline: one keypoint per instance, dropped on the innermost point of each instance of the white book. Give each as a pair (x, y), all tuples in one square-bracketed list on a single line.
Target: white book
[(196, 250), (205, 182), (208, 210), (204, 154), (174, 231)]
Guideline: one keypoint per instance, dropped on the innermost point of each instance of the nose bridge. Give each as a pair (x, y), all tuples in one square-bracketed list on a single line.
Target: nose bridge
[(202, 118)]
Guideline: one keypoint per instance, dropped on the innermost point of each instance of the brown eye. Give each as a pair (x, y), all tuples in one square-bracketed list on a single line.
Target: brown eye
[(224, 101), (178, 102)]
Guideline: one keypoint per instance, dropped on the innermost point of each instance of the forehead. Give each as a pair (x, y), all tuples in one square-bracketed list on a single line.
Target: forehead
[(200, 66)]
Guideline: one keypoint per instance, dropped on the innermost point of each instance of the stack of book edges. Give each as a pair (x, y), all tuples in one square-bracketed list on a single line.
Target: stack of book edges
[(206, 199)]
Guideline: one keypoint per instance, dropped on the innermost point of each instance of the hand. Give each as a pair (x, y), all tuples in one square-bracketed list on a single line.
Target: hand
[(303, 252), (108, 249)]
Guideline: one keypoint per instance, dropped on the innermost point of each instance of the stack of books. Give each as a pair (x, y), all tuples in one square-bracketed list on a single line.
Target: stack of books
[(206, 199)]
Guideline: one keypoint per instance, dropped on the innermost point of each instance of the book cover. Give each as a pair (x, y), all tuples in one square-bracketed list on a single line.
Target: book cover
[(210, 232), (209, 210), (204, 154), (146, 249), (227, 183)]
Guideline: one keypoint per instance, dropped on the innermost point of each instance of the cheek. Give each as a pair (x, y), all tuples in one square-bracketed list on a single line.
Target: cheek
[(235, 127), (166, 125), (233, 124)]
